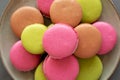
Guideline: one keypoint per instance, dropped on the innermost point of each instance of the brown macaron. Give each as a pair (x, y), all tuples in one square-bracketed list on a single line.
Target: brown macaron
[(25, 16), (66, 11), (89, 41)]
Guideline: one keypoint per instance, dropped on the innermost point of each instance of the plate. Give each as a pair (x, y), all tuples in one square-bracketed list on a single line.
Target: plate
[(7, 37)]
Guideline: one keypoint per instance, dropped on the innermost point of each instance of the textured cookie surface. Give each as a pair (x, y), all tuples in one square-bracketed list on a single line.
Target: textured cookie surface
[(32, 37), (90, 69), (109, 37), (39, 74), (44, 6), (25, 16), (91, 9), (21, 59), (66, 11), (60, 41), (61, 69), (90, 41)]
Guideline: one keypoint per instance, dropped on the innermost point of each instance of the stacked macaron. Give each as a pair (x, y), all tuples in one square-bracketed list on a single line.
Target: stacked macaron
[(68, 48)]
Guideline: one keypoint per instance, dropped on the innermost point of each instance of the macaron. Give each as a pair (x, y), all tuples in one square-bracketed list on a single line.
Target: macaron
[(39, 74), (32, 37), (21, 59), (109, 36), (90, 41), (24, 16), (92, 10), (60, 41), (44, 6), (61, 69), (90, 69), (66, 11)]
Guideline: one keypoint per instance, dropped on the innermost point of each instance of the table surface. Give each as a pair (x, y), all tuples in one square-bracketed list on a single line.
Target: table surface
[(5, 76)]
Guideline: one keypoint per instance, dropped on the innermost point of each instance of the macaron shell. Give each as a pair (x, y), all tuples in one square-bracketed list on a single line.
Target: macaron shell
[(21, 59), (60, 41), (24, 16), (66, 11), (32, 37), (44, 6), (39, 74), (61, 69), (91, 9), (90, 69), (90, 41), (109, 37)]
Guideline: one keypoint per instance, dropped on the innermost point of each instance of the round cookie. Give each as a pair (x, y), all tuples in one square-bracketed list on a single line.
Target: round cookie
[(32, 37), (44, 6), (109, 36), (21, 59), (90, 41), (39, 74), (66, 11), (90, 69), (91, 9), (24, 16), (60, 41), (61, 69)]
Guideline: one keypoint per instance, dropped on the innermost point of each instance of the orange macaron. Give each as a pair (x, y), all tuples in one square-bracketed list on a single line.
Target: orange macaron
[(66, 11), (25, 16), (89, 41)]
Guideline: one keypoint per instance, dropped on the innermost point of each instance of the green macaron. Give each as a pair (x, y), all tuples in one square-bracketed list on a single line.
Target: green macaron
[(90, 69), (32, 37), (91, 9), (39, 74)]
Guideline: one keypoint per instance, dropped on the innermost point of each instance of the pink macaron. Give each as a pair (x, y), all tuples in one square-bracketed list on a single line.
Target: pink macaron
[(21, 59), (109, 37), (61, 69), (60, 41), (44, 6)]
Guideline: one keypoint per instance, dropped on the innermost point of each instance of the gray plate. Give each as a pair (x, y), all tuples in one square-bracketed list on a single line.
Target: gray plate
[(7, 37)]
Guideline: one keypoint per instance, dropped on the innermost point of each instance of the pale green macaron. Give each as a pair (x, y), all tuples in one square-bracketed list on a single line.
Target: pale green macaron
[(90, 69), (32, 37), (39, 74), (91, 9)]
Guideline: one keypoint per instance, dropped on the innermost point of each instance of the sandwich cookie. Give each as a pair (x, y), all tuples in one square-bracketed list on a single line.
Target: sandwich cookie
[(109, 37), (60, 41), (90, 41), (21, 59), (66, 11), (61, 69), (23, 17), (32, 37)]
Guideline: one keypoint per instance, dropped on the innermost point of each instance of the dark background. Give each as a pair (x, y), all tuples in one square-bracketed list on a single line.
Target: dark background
[(5, 76)]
